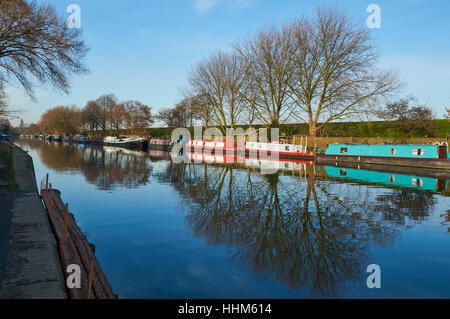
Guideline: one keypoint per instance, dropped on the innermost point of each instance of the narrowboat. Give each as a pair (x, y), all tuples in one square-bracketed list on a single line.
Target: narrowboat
[(292, 152), (253, 162), (83, 139), (159, 143), (133, 142), (269, 151), (4, 138), (69, 139), (426, 156), (55, 138)]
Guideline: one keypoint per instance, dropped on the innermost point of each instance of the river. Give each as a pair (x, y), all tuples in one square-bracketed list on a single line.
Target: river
[(166, 230)]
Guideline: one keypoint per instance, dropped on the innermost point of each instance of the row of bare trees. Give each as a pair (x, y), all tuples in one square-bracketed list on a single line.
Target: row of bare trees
[(104, 113), (316, 70), (107, 112), (181, 115)]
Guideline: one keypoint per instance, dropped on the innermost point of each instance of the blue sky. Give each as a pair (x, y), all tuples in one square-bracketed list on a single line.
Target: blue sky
[(144, 49)]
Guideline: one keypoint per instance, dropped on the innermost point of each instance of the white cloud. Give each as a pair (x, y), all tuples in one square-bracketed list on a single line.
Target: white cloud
[(202, 6), (240, 4)]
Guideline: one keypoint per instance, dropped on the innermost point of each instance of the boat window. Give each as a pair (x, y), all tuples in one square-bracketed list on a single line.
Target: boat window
[(393, 151), (287, 148), (343, 172), (392, 178), (417, 182), (343, 150), (418, 151)]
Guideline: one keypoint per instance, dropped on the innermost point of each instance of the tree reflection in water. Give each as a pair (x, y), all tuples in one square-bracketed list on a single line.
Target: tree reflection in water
[(312, 234), (103, 167)]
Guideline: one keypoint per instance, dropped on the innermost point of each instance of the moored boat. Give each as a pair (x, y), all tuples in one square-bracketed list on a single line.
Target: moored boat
[(134, 142), (69, 139), (427, 156), (159, 143), (55, 138), (83, 139), (270, 151)]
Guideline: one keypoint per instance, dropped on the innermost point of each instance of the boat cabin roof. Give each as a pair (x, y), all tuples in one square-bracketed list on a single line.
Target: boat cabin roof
[(389, 150)]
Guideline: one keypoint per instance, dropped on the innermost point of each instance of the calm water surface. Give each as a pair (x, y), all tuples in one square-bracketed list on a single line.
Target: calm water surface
[(165, 230)]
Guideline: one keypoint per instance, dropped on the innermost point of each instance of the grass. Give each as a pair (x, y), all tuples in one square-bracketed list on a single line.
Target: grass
[(376, 129), (9, 174)]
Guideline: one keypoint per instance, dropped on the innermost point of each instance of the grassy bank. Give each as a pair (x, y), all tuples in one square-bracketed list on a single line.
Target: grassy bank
[(355, 130), (7, 173)]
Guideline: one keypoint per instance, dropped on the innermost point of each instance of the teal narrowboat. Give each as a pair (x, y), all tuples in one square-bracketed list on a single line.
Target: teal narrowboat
[(430, 156)]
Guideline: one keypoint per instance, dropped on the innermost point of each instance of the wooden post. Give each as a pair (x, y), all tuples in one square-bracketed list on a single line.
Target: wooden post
[(91, 274), (50, 198), (66, 221), (46, 182)]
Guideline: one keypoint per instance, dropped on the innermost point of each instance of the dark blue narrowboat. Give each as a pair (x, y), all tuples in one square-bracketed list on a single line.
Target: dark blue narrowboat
[(4, 138), (429, 156)]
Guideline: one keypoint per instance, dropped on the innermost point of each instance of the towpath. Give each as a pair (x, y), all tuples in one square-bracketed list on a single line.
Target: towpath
[(30, 266)]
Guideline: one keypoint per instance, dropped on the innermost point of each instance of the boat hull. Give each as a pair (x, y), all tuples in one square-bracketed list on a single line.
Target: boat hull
[(159, 147)]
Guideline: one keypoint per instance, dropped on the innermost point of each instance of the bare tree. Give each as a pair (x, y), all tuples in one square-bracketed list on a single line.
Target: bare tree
[(447, 116), (269, 72), (184, 112), (165, 115), (409, 120), (219, 81), (91, 116), (138, 116), (35, 42), (200, 109), (21, 126), (3, 102), (335, 69), (107, 104), (119, 116)]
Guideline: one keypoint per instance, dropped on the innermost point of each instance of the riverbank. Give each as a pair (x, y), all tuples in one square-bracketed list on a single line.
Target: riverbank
[(30, 267), (361, 130)]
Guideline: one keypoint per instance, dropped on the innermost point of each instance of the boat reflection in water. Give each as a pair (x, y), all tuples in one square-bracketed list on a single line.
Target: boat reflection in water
[(104, 167), (311, 229), (436, 181)]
